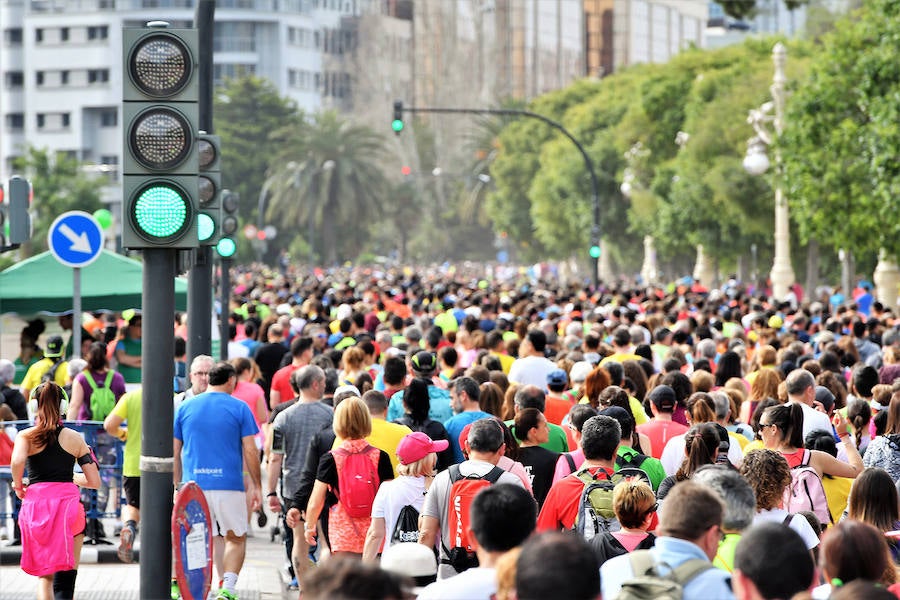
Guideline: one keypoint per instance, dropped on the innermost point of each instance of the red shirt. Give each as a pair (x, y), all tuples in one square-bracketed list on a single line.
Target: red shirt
[(660, 432), (281, 382), (556, 409), (561, 505)]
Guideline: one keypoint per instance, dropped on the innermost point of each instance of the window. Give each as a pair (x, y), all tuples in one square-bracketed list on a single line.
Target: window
[(98, 75), (109, 166), (234, 37), (15, 79), (64, 77), (41, 120), (15, 121), (38, 35), (64, 34), (39, 78), (53, 121), (100, 32), (65, 120), (109, 118), (13, 36)]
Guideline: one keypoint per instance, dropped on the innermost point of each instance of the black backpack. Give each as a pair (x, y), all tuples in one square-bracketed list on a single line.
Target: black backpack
[(407, 527), (50, 375)]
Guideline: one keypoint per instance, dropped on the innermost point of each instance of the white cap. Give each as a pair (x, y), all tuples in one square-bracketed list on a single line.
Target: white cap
[(579, 371), (410, 559)]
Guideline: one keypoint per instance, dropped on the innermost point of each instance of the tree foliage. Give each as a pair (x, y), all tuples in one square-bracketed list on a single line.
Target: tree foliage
[(324, 174), (59, 185), (840, 149)]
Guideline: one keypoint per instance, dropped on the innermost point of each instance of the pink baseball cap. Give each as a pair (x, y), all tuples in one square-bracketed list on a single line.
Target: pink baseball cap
[(417, 445)]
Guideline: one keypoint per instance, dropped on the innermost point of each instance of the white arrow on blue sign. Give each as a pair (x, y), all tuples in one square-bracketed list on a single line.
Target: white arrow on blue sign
[(75, 238)]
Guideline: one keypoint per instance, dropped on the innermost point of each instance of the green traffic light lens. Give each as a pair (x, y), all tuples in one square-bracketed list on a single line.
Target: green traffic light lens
[(206, 227), (161, 211), (397, 125), (595, 252), (226, 247)]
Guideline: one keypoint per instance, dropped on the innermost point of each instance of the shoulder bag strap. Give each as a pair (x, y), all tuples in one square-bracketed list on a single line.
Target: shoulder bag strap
[(641, 562), (89, 377), (689, 569)]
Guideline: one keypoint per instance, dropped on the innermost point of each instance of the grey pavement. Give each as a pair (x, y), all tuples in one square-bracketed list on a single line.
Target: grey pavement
[(102, 577)]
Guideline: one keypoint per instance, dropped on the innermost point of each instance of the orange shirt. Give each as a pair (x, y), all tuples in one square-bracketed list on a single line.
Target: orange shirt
[(660, 432), (556, 408)]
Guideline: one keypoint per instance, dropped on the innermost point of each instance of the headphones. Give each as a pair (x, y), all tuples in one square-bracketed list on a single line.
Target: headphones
[(64, 397)]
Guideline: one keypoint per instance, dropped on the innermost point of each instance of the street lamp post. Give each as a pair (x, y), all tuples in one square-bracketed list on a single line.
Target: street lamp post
[(756, 162)]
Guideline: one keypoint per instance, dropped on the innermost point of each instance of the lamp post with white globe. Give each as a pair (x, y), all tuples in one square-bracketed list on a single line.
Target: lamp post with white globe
[(756, 162)]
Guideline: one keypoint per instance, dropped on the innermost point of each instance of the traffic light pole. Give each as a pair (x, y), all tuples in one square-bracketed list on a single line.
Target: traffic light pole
[(224, 298), (158, 370), (200, 296), (589, 164)]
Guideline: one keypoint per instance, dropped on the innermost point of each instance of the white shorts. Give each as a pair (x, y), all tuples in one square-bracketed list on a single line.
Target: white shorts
[(227, 511)]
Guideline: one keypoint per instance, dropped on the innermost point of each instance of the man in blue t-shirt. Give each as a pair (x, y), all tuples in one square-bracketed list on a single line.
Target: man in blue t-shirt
[(464, 394), (214, 439)]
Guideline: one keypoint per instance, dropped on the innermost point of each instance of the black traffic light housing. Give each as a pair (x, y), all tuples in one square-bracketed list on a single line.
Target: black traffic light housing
[(160, 94), (19, 192), (209, 181), (228, 225), (397, 124)]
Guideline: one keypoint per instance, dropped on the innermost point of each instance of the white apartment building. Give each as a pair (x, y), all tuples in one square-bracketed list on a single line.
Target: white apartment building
[(61, 66)]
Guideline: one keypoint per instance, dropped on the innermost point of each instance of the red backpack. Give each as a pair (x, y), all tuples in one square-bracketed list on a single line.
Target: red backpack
[(357, 479), (461, 554)]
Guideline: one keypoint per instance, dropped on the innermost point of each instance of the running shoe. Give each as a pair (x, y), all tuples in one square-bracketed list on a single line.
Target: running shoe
[(126, 543), (293, 585), (224, 594)]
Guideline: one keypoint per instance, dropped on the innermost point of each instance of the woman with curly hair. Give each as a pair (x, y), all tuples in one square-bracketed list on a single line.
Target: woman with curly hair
[(769, 475)]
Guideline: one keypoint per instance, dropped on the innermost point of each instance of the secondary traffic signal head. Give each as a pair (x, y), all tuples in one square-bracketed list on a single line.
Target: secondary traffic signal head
[(397, 123), (594, 251), (209, 189), (160, 106), (226, 245), (19, 205)]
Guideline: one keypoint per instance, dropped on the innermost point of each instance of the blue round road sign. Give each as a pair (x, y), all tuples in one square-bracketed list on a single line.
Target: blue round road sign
[(75, 238)]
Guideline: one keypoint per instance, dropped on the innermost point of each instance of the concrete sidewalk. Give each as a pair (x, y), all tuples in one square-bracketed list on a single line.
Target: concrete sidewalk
[(102, 577)]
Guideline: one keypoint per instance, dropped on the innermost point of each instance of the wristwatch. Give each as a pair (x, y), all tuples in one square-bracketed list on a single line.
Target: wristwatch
[(270, 494)]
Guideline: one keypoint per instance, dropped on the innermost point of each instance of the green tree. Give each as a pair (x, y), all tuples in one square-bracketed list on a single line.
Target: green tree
[(59, 184), (246, 111), (840, 147), (324, 176)]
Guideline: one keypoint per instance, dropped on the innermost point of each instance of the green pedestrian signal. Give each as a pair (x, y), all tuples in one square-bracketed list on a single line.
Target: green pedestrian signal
[(595, 251), (161, 212)]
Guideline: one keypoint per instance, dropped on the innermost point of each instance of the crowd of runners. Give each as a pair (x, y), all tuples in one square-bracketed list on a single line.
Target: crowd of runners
[(442, 434)]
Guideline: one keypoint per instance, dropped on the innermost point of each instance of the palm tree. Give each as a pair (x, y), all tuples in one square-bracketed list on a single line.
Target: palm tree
[(326, 177)]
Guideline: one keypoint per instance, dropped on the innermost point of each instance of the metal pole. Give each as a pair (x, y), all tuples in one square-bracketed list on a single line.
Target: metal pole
[(158, 369), (76, 313), (224, 300), (200, 297), (589, 164), (782, 271)]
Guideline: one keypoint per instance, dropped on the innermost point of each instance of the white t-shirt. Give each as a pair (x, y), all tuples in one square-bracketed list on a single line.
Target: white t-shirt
[(673, 454), (479, 583), (531, 370), (798, 523), (392, 496), (813, 420)]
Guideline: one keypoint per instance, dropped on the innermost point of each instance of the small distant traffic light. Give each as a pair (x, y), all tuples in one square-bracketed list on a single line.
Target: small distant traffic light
[(17, 213), (226, 245), (595, 251), (405, 170), (210, 189), (397, 123), (160, 117)]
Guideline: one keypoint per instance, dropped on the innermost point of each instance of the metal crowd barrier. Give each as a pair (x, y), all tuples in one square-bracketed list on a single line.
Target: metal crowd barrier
[(105, 502)]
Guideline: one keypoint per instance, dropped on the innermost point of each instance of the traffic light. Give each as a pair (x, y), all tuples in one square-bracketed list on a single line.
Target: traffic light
[(595, 251), (209, 189), (18, 215), (397, 123), (160, 95), (228, 225)]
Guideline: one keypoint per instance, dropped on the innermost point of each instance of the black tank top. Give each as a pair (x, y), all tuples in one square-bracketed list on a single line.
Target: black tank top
[(52, 464)]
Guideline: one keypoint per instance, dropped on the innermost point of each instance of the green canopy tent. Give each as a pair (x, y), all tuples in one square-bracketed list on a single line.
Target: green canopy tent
[(41, 284)]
